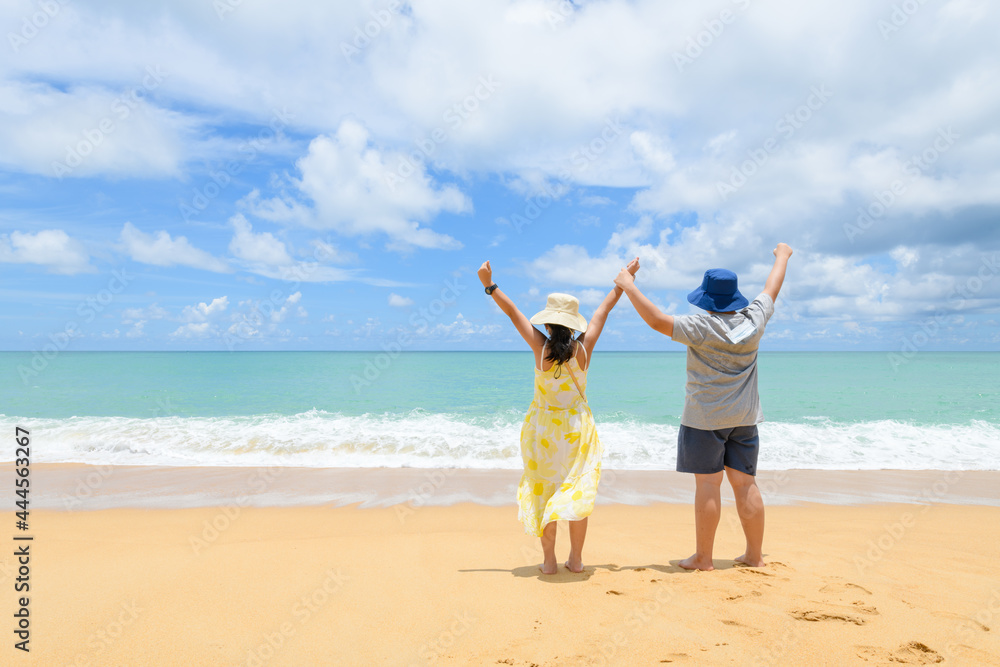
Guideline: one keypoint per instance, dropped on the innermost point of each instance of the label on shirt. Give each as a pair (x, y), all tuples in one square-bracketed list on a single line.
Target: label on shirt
[(742, 332)]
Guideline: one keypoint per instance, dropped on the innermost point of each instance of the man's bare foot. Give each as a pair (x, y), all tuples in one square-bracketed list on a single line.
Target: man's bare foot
[(548, 568), (574, 565), (752, 563), (696, 562)]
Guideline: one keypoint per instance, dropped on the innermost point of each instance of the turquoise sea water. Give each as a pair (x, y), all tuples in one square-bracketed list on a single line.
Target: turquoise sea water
[(823, 409)]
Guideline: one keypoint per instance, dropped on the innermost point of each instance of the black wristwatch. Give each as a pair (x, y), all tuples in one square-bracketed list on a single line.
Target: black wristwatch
[(489, 290)]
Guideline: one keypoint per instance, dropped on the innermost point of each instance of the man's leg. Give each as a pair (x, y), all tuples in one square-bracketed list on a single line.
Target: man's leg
[(750, 506), (707, 509)]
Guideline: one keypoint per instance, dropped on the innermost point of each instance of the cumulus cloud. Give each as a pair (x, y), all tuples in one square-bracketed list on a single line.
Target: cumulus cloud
[(193, 330), (261, 248), (358, 190), (51, 248), (205, 311), (86, 131), (160, 249), (264, 254), (398, 301)]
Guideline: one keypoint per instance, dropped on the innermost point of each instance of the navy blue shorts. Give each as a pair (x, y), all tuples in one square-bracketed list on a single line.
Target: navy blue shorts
[(708, 452)]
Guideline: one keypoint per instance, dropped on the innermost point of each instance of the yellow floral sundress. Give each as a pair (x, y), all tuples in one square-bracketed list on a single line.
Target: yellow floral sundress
[(560, 450)]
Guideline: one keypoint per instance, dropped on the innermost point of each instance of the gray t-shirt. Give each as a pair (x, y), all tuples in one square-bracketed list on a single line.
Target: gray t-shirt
[(721, 387)]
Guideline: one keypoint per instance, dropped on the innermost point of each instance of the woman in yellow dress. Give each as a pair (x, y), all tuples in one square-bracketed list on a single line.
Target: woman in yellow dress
[(559, 444)]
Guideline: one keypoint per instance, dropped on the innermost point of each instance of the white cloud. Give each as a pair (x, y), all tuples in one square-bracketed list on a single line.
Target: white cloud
[(51, 248), (460, 329), (591, 297), (87, 130), (359, 190), (262, 253), (151, 312), (193, 330), (398, 301), (162, 250), (260, 248), (205, 311), (137, 330)]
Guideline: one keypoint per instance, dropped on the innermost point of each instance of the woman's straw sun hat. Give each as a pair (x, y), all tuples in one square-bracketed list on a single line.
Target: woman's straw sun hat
[(561, 309)]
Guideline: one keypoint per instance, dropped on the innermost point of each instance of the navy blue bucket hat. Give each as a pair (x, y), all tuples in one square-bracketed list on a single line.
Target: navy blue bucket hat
[(718, 292)]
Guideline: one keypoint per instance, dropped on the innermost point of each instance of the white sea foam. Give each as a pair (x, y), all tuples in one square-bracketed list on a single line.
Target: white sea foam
[(432, 440)]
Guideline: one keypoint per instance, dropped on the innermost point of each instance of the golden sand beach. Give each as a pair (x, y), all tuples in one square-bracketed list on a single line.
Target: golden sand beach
[(459, 585)]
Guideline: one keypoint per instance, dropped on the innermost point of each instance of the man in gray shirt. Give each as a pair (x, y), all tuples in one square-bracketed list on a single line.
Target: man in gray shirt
[(718, 429)]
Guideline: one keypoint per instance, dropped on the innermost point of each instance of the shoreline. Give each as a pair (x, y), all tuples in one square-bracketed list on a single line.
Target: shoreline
[(77, 486)]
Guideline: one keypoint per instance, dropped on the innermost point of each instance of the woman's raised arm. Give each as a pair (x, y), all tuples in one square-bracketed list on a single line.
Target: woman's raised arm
[(532, 336), (600, 316)]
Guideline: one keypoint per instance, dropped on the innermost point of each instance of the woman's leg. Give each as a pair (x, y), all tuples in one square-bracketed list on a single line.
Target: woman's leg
[(577, 534), (549, 565)]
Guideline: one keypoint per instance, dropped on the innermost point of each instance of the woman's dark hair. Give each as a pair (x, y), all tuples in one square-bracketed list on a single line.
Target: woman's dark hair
[(560, 344)]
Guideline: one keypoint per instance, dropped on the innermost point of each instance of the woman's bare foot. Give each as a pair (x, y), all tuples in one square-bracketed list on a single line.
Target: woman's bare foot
[(759, 562), (548, 568), (696, 562), (574, 565)]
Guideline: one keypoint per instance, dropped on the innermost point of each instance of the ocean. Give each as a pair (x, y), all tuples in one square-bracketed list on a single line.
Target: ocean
[(823, 410)]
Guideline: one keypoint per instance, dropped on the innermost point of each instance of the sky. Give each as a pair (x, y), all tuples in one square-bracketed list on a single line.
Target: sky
[(252, 175)]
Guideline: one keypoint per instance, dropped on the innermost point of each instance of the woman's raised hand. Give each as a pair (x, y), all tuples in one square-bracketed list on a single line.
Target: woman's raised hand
[(485, 274), (633, 266)]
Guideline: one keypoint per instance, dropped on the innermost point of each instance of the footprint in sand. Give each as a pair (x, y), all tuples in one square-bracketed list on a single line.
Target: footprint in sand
[(615, 593), (816, 616), (845, 587), (740, 596), (673, 657), (958, 617), (911, 653), (737, 624)]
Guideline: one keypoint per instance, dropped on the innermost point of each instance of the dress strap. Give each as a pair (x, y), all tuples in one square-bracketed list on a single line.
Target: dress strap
[(584, 348), (573, 376), (541, 359)]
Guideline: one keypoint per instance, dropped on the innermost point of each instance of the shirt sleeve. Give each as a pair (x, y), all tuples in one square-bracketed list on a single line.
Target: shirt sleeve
[(760, 311), (687, 330)]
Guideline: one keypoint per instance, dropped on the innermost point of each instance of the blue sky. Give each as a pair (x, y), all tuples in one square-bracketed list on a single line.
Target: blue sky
[(192, 175)]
